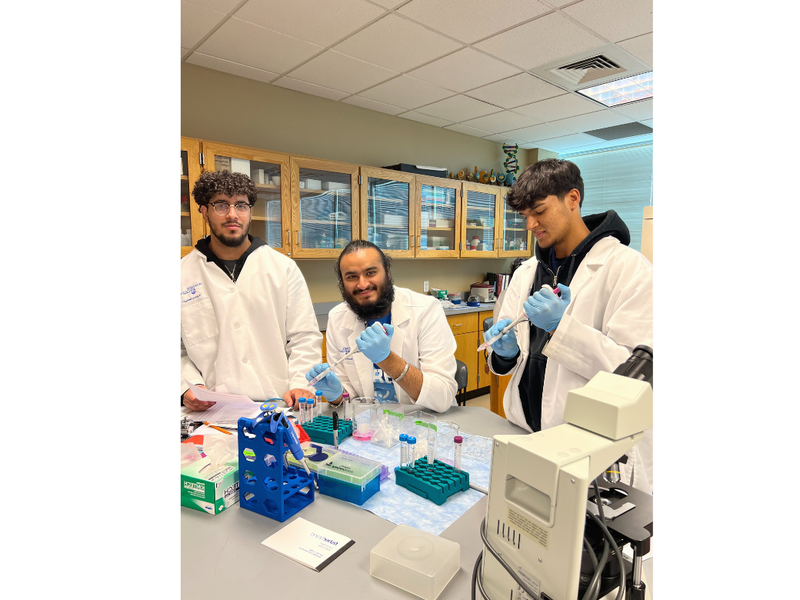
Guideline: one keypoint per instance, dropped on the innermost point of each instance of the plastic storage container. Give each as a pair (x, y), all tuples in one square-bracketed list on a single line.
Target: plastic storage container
[(415, 561), (349, 477), (388, 425)]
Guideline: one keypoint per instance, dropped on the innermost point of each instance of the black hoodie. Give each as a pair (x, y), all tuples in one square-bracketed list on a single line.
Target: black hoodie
[(531, 383)]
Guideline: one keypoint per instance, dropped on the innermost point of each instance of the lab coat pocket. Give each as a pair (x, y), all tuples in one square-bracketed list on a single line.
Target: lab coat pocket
[(199, 322)]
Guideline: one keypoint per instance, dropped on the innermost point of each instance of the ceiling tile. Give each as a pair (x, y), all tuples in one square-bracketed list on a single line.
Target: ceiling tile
[(595, 120), (541, 41), (502, 121), (255, 46), (196, 22), (428, 120), (397, 43), (637, 111), (389, 3), (537, 132), (310, 88), (516, 90), (464, 70), (321, 22), (503, 139), (568, 142), (406, 92), (471, 20), (226, 66), (640, 47), (615, 20), (468, 130), (223, 6), (184, 52), (560, 107), (458, 108), (373, 105), (341, 72), (648, 122)]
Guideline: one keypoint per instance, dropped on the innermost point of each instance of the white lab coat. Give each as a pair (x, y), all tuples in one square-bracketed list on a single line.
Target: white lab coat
[(258, 336), (421, 337), (609, 314)]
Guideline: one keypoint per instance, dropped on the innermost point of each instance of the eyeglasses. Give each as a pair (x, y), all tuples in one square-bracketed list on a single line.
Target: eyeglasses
[(223, 208)]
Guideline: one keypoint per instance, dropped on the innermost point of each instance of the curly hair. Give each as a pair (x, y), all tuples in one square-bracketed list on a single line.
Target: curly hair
[(223, 182), (548, 177)]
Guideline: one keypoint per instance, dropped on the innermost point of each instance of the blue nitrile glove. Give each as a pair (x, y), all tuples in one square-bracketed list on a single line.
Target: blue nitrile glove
[(506, 346), (330, 386), (545, 309), (374, 343)]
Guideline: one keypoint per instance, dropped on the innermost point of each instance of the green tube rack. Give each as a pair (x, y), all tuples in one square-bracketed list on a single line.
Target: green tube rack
[(437, 485), (320, 429)]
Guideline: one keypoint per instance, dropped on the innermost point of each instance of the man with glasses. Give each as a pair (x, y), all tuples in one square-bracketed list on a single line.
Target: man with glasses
[(247, 323)]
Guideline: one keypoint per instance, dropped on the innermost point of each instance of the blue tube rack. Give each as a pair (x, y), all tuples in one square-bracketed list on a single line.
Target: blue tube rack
[(320, 429), (267, 487), (437, 484)]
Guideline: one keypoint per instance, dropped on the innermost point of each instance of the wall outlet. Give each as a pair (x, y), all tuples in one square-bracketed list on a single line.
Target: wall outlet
[(425, 286)]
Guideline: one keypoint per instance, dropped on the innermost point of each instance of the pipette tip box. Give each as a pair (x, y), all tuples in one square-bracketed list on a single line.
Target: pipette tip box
[(415, 561), (350, 478), (320, 430), (436, 484)]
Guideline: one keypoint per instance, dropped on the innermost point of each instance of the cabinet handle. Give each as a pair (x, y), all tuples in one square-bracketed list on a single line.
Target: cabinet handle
[(297, 235), (457, 324), (288, 238)]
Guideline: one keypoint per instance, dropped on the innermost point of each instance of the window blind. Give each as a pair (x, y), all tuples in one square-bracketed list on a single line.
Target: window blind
[(620, 179)]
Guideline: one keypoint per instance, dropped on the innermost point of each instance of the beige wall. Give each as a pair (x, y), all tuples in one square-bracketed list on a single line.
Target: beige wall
[(441, 274), (225, 108)]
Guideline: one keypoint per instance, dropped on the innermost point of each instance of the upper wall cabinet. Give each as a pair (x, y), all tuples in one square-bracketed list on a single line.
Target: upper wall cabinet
[(516, 239), (387, 214), (192, 224), (271, 214), (438, 204), (481, 210), (325, 207)]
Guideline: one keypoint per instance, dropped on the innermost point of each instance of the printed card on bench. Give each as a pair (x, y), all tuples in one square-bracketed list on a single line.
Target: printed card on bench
[(311, 545)]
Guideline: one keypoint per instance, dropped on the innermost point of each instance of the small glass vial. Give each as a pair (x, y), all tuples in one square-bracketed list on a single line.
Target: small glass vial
[(412, 451), (301, 410), (457, 453), (318, 404), (403, 450), (348, 408)]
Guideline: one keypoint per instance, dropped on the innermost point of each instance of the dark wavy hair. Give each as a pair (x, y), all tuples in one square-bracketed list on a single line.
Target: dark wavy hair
[(223, 182), (548, 177)]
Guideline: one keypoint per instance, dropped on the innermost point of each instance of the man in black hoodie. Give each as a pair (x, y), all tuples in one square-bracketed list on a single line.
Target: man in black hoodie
[(602, 310)]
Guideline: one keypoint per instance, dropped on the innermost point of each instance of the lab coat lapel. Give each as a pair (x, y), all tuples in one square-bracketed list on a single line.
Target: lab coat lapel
[(595, 259)]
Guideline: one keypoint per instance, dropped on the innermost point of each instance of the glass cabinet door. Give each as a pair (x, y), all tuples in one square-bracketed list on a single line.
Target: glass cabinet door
[(324, 215), (386, 214), (439, 211), (192, 224), (516, 238), (480, 209), (269, 172)]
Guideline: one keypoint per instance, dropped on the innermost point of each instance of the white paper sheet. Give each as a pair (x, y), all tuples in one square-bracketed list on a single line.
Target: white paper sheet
[(218, 397), (308, 543)]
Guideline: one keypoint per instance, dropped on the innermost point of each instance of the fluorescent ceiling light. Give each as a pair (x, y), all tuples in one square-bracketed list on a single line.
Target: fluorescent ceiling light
[(622, 91)]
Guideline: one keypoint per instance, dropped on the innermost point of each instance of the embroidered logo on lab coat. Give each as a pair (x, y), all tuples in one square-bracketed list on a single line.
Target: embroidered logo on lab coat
[(191, 293), (345, 350)]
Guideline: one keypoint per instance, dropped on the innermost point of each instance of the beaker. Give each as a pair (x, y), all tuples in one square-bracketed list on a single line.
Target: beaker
[(365, 419)]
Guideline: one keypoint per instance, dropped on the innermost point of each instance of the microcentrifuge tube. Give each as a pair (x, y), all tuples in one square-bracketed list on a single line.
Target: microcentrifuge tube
[(318, 404), (457, 456), (412, 451), (348, 408), (403, 450)]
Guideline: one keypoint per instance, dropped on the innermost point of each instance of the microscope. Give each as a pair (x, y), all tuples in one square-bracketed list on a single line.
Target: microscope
[(553, 530)]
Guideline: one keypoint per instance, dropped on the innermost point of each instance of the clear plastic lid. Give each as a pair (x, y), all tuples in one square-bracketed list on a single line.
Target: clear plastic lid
[(350, 469)]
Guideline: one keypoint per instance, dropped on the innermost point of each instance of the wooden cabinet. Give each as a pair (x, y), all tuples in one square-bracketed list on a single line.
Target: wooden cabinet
[(387, 211), (468, 331), (271, 214), (192, 224), (438, 214), (515, 239), (325, 207)]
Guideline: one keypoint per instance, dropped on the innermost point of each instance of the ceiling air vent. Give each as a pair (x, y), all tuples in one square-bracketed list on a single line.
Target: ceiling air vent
[(588, 69), (593, 67)]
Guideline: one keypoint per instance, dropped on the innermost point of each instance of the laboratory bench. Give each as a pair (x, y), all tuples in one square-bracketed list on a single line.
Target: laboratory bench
[(222, 554)]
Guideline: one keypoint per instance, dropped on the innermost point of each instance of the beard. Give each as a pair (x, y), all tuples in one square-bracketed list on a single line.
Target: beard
[(226, 240), (372, 310)]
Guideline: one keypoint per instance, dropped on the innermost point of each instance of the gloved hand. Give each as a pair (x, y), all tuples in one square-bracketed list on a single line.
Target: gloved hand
[(330, 386), (545, 309), (374, 343), (506, 346)]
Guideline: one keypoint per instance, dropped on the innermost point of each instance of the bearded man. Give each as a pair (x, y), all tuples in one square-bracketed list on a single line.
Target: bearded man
[(407, 350)]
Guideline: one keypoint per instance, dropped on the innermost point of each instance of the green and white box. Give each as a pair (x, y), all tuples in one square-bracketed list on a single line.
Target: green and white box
[(208, 490)]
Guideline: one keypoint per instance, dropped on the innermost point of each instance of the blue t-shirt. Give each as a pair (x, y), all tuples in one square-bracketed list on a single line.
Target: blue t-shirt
[(384, 388)]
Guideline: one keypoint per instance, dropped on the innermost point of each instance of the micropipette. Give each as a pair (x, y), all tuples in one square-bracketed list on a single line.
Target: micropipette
[(511, 326), (327, 371)]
